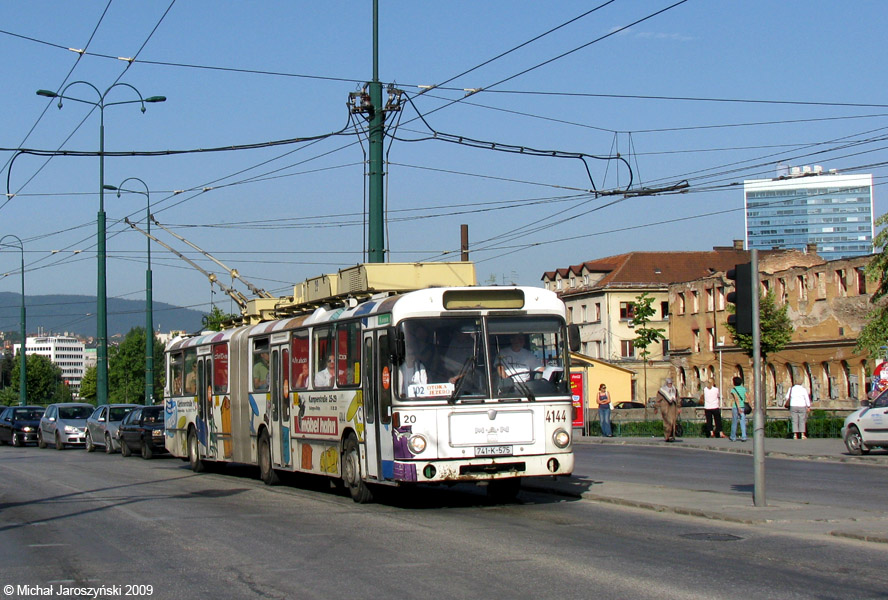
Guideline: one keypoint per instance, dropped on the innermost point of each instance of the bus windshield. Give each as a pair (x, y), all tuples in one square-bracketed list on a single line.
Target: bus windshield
[(443, 357), (449, 358)]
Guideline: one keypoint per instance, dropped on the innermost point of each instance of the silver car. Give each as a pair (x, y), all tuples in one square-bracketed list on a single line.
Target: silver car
[(101, 426), (867, 427), (64, 424)]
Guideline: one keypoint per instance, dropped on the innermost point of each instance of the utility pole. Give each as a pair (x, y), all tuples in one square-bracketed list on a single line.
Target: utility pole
[(376, 238), (758, 435)]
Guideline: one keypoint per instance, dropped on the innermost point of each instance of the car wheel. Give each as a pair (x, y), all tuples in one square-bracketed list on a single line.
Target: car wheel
[(124, 448), (17, 441), (40, 442), (266, 470), (197, 465), (854, 442), (146, 451), (109, 446), (90, 447), (351, 472), (58, 442)]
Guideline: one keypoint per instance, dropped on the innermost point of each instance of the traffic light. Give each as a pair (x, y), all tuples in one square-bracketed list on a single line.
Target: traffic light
[(741, 298)]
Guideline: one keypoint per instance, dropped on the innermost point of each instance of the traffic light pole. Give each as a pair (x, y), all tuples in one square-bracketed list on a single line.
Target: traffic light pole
[(758, 434)]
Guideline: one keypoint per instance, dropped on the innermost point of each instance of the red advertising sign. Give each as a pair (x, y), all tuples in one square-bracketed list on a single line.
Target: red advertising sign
[(577, 387)]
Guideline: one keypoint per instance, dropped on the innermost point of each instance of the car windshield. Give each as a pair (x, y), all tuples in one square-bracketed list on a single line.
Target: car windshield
[(75, 412), (119, 412), (28, 414), (152, 415)]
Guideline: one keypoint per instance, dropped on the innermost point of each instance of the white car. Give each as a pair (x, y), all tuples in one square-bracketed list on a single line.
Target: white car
[(867, 427)]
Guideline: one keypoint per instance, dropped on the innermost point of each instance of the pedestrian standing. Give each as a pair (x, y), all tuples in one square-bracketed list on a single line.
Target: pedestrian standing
[(711, 398), (669, 406), (739, 401), (604, 411), (799, 404)]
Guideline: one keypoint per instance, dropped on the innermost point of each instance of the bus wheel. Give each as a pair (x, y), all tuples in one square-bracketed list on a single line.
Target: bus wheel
[(266, 471), (197, 465), (503, 490), (351, 472)]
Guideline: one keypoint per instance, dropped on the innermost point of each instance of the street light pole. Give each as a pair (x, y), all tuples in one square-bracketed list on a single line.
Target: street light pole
[(149, 303), (102, 297), (23, 377)]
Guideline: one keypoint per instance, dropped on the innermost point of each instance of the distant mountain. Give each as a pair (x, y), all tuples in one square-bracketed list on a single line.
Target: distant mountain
[(77, 315)]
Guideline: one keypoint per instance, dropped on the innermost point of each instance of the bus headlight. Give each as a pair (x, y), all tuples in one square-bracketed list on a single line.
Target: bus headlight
[(416, 444), (561, 438)]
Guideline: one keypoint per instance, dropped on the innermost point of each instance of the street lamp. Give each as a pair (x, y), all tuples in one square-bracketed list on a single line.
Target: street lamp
[(102, 298), (23, 377), (149, 304)]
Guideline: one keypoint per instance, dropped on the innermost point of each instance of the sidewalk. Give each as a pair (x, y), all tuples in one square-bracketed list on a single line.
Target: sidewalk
[(797, 517)]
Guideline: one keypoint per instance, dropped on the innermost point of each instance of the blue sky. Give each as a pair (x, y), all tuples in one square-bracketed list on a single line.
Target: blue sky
[(711, 93)]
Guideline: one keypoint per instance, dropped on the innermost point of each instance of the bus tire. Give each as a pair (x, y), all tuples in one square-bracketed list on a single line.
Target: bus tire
[(197, 465), (351, 472), (266, 470), (503, 490)]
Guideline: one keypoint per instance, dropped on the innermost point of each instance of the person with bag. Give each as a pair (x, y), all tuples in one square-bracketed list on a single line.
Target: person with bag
[(669, 406), (739, 409), (604, 411), (799, 404)]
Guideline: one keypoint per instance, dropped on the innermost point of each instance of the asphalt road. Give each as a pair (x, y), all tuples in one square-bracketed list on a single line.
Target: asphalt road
[(76, 519), (826, 483)]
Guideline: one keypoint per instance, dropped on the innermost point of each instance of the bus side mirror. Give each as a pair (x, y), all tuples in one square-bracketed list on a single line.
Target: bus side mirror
[(573, 337)]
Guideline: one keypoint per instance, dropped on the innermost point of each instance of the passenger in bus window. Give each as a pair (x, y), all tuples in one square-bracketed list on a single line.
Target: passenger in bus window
[(324, 378), (260, 371), (517, 362), (413, 372), (190, 375)]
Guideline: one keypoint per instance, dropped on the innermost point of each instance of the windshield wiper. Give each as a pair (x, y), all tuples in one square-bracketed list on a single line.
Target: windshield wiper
[(524, 388), (461, 379)]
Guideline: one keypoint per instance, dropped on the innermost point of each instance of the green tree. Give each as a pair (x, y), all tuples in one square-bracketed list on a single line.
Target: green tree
[(88, 384), (126, 368), (775, 328), (642, 311), (875, 333), (43, 380), (216, 320)]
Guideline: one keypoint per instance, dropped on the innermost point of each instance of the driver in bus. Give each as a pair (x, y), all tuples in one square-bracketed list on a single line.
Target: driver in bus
[(517, 362)]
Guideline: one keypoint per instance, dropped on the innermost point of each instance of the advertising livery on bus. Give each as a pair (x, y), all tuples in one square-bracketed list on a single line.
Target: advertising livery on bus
[(435, 385)]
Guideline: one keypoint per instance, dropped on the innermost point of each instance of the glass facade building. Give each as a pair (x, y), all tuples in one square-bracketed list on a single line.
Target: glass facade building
[(835, 212)]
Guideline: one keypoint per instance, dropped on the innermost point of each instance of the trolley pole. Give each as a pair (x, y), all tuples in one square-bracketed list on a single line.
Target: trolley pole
[(376, 238)]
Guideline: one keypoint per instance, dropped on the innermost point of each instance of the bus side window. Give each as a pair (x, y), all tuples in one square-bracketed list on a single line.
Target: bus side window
[(348, 361), (369, 397), (385, 378), (299, 366), (176, 371), (260, 364), (191, 372)]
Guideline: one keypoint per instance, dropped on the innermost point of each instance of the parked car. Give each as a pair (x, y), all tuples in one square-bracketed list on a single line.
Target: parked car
[(865, 429), (18, 424), (622, 405), (63, 424), (142, 431), (101, 426)]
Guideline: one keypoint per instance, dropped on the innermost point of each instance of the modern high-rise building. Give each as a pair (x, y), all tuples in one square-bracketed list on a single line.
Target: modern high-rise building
[(66, 353), (804, 206)]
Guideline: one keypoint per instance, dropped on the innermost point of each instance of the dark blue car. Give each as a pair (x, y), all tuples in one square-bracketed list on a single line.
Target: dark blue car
[(19, 424)]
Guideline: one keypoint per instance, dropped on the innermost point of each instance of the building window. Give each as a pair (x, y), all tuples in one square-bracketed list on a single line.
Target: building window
[(598, 312), (696, 336), (583, 313), (695, 302), (665, 347), (627, 349), (627, 311), (664, 310), (721, 298), (821, 285), (680, 309), (710, 299), (841, 283), (861, 280), (803, 288), (710, 337), (570, 315), (781, 291)]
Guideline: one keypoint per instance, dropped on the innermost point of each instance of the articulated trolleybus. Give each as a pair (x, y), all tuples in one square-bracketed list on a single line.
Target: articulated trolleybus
[(435, 385)]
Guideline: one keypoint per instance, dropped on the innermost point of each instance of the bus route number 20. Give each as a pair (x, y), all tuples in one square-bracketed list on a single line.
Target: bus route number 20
[(556, 416)]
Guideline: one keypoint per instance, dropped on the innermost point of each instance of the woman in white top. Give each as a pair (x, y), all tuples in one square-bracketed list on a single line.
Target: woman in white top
[(799, 404)]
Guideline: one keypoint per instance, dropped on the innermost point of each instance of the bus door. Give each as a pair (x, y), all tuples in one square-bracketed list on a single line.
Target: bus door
[(280, 404), (369, 385), (377, 387), (205, 425)]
